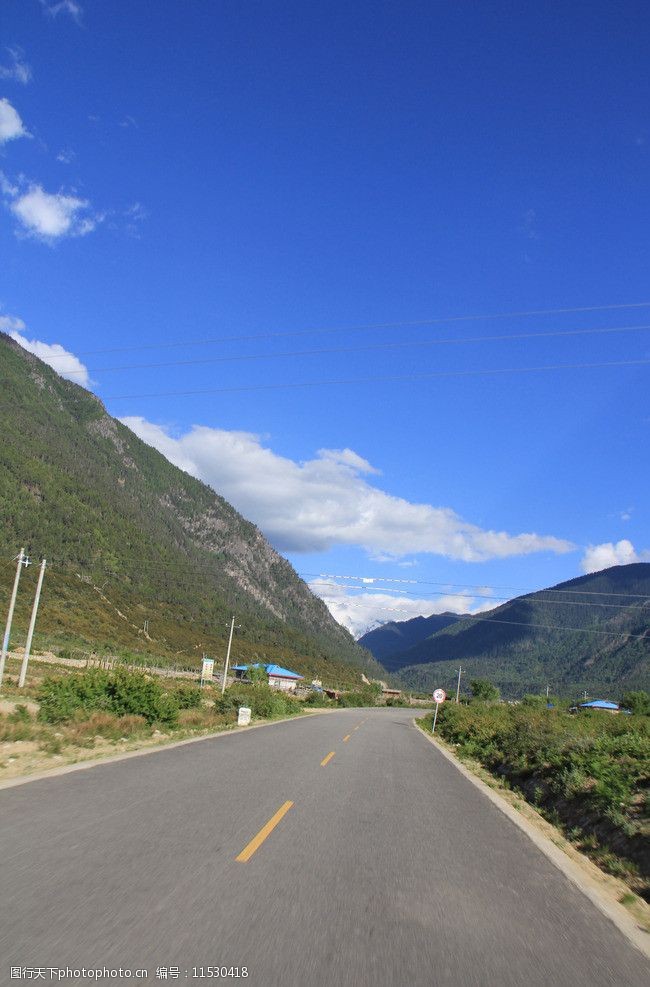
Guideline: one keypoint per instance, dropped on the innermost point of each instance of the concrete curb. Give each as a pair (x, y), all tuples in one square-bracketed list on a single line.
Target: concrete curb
[(615, 912), (65, 769)]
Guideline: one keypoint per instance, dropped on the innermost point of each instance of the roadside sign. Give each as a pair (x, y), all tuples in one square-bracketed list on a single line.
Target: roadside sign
[(207, 670), (439, 696)]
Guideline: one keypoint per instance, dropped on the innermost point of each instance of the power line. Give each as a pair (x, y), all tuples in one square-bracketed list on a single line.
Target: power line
[(553, 627), (367, 327), (525, 590), (401, 344), (494, 620), (365, 581), (402, 378), (515, 623), (498, 600)]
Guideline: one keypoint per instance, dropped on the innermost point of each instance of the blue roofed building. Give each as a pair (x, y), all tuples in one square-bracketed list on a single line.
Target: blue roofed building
[(278, 677), (603, 704)]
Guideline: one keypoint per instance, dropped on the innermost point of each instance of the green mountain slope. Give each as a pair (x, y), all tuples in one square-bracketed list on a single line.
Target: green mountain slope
[(591, 633), (389, 642), (133, 538)]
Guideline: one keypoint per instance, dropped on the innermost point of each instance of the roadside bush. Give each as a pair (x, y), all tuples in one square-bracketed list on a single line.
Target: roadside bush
[(121, 692), (318, 700), (638, 702), (362, 697), (589, 771), (188, 697), (261, 700)]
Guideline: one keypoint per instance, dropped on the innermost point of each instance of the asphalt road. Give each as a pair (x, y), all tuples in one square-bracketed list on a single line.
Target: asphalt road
[(389, 868)]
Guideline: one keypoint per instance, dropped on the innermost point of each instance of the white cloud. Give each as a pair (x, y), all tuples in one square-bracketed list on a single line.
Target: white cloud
[(360, 612), (48, 216), (56, 7), (6, 187), (604, 556), (135, 215), (65, 363), (66, 156), (18, 70), (11, 126), (326, 501)]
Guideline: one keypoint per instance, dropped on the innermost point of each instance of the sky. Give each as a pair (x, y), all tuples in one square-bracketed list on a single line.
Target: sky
[(376, 272)]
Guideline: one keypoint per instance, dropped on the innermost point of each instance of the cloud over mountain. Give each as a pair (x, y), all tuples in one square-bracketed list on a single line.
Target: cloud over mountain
[(325, 501), (604, 556), (56, 356)]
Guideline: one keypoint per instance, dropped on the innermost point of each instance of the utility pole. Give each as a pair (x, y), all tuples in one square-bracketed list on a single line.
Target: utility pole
[(458, 684), (547, 688), (22, 561), (32, 624), (225, 670)]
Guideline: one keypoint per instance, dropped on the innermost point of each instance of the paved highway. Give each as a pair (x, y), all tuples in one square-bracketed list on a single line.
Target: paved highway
[(379, 865)]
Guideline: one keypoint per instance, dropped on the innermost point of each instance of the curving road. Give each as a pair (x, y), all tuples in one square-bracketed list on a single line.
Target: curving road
[(380, 865)]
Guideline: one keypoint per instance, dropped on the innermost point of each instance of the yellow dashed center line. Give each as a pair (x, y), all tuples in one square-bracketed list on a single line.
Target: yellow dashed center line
[(347, 738), (265, 831), (327, 759)]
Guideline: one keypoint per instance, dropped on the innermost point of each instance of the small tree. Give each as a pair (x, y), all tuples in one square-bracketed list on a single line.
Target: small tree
[(484, 690), (637, 702)]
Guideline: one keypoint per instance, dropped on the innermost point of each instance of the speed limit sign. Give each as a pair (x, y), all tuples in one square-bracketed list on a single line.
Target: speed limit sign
[(439, 696)]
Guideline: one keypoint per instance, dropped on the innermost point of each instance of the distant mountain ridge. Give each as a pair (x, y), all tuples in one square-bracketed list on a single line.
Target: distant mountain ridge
[(130, 537), (389, 641), (591, 633)]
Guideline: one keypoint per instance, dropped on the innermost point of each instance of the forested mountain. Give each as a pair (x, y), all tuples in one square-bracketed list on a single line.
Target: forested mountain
[(132, 538), (591, 633), (388, 642)]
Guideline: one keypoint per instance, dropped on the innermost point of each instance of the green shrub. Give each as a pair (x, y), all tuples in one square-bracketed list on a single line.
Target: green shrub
[(188, 697), (362, 697), (483, 690), (590, 772), (318, 700), (121, 692), (638, 702), (262, 701)]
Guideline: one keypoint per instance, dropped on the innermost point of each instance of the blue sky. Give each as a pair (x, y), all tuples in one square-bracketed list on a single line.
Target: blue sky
[(204, 203)]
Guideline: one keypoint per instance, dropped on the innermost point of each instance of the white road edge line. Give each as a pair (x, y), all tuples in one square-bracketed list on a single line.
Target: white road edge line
[(612, 910)]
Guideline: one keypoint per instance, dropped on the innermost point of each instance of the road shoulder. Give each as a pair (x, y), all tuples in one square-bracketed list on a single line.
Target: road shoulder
[(601, 889), (154, 747)]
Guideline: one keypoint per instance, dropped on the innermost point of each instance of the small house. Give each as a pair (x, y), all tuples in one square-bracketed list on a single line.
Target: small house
[(279, 678), (602, 704), (282, 678)]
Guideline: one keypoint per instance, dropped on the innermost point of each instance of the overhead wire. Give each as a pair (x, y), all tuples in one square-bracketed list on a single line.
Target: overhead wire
[(498, 600), (397, 378), (427, 582), (367, 327), (467, 616), (371, 347), (364, 581)]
